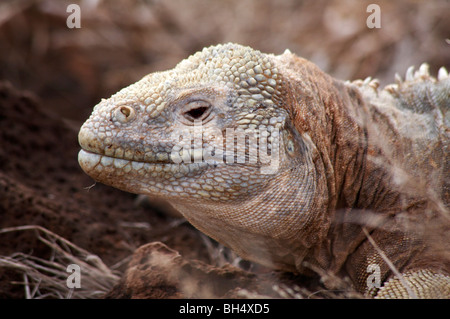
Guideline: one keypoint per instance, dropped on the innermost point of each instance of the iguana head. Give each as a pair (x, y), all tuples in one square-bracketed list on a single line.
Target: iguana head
[(212, 137)]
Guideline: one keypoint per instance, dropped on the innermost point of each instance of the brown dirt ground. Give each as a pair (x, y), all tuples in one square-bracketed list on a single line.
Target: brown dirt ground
[(52, 76)]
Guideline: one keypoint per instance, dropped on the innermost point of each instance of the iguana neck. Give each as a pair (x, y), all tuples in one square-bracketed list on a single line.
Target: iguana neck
[(333, 115)]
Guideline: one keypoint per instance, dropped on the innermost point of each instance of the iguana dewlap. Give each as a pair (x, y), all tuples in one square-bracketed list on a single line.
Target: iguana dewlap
[(286, 165)]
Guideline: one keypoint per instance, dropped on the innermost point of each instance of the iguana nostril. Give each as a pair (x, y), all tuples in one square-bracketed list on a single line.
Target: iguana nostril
[(125, 111), (124, 114)]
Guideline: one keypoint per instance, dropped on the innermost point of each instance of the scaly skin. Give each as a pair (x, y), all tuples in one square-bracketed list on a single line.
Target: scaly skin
[(355, 177)]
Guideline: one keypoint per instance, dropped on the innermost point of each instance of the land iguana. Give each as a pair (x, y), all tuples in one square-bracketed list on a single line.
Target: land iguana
[(289, 167)]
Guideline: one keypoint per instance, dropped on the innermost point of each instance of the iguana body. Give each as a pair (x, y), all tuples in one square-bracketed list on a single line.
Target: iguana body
[(350, 176)]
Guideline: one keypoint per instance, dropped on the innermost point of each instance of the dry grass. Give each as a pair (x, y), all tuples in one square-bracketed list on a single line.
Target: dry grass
[(47, 278), (338, 288)]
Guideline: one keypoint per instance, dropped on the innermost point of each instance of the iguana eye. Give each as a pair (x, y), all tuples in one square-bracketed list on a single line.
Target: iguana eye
[(197, 111)]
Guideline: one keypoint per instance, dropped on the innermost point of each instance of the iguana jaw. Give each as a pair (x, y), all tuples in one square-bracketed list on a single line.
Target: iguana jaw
[(91, 162)]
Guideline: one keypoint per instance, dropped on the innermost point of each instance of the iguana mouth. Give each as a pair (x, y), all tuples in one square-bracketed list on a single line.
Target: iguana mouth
[(91, 162)]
